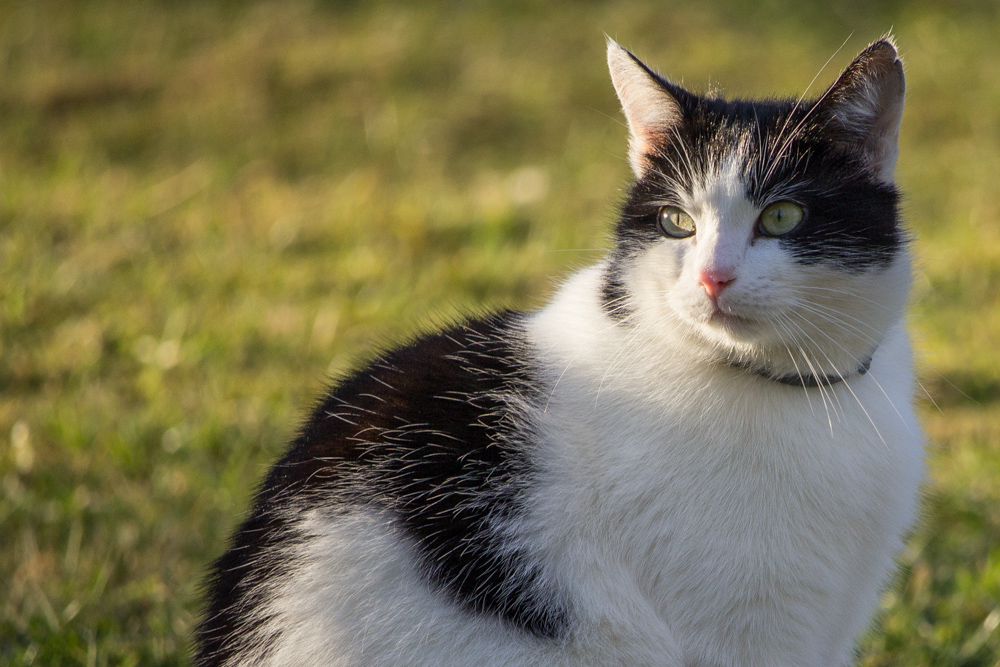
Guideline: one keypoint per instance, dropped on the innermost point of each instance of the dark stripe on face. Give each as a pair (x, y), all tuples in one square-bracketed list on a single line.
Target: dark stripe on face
[(852, 219)]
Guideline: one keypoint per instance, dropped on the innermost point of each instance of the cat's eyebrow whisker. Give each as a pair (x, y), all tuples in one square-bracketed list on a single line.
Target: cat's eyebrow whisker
[(669, 181), (684, 156), (798, 128), (759, 136), (684, 153), (805, 92)]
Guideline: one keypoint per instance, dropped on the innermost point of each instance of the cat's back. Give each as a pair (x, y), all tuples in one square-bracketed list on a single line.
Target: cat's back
[(395, 514)]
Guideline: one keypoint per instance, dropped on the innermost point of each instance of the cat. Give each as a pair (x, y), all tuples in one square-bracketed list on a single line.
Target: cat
[(701, 453)]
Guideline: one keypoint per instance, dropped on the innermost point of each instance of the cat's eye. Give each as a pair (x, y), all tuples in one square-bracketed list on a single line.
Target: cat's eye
[(780, 218), (675, 222)]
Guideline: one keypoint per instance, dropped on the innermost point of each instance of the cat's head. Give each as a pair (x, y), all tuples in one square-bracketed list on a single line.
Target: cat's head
[(767, 230)]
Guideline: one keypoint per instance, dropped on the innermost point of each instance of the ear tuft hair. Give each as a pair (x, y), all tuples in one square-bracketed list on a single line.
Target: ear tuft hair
[(865, 106), (650, 108)]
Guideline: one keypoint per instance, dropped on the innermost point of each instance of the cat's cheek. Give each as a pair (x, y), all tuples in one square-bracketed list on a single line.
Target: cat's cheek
[(836, 301), (693, 307), (656, 274), (683, 293)]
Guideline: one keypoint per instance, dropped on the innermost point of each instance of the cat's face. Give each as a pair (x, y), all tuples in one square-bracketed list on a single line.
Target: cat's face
[(769, 230)]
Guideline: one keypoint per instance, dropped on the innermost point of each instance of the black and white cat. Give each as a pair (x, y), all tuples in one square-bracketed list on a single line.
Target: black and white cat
[(702, 453)]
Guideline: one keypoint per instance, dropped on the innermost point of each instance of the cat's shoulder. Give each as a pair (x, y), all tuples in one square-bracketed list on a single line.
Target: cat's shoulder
[(442, 394)]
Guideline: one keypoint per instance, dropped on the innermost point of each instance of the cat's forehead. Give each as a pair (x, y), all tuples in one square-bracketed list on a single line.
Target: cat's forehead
[(734, 117), (720, 186), (739, 147), (724, 177)]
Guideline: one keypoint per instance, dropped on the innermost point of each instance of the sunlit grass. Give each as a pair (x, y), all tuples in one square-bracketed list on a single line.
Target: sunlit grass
[(206, 208)]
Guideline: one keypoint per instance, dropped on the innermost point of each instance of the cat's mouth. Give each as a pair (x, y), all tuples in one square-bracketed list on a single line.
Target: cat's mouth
[(729, 320), (733, 327)]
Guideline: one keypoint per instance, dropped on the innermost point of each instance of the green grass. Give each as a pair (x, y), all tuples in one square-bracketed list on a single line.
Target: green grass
[(206, 208)]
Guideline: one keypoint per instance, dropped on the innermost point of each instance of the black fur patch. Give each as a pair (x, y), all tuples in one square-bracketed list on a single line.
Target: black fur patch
[(791, 152), (433, 432)]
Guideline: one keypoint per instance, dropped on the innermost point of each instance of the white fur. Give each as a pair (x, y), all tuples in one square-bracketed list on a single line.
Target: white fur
[(356, 598), (755, 529)]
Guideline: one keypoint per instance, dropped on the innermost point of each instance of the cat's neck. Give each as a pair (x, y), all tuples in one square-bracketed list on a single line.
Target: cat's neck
[(805, 378)]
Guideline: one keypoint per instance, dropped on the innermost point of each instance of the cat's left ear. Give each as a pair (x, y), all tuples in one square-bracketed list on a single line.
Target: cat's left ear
[(865, 106), (650, 108)]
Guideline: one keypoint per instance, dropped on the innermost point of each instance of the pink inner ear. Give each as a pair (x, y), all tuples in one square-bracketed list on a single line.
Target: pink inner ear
[(649, 108), (867, 101)]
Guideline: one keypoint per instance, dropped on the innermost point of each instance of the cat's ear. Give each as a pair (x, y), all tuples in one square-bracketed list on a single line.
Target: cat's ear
[(865, 106), (650, 108)]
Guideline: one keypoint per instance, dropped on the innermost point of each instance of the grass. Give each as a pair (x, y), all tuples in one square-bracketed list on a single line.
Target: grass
[(206, 208)]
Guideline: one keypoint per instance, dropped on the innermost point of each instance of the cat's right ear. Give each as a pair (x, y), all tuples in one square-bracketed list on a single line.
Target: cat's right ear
[(865, 106), (650, 109)]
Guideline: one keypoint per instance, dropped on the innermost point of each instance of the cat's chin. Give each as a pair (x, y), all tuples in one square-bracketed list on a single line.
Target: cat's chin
[(732, 324), (728, 329), (727, 336)]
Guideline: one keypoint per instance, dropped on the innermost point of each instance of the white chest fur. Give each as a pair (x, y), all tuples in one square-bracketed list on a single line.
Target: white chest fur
[(716, 515)]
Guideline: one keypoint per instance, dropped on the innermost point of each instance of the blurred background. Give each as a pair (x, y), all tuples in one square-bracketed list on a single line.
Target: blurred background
[(208, 208)]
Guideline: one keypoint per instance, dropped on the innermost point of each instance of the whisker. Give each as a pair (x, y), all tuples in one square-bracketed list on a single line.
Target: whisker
[(806, 91), (820, 376), (819, 383), (805, 387), (850, 389)]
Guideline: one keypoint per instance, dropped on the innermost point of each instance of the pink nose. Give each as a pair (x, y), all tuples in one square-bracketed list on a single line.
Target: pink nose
[(714, 282)]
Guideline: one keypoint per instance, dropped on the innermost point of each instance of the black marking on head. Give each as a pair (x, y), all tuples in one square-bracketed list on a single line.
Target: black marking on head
[(852, 218), (434, 433), (790, 150)]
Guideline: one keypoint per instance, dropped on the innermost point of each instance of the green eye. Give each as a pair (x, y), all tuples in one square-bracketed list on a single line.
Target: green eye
[(675, 222), (780, 218)]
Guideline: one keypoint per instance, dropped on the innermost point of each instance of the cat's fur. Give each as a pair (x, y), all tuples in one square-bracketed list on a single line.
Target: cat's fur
[(637, 474)]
